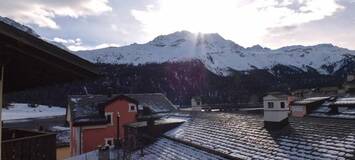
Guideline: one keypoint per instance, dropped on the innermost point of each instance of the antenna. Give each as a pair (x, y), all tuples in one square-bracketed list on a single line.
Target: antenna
[(86, 90)]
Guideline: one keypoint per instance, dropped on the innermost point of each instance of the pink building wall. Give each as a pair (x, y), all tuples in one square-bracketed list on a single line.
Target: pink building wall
[(93, 136), (300, 111)]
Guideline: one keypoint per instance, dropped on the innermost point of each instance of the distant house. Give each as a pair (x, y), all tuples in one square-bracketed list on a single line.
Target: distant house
[(349, 84), (337, 108), (318, 92), (98, 120), (343, 104), (276, 109), (95, 121), (300, 108)]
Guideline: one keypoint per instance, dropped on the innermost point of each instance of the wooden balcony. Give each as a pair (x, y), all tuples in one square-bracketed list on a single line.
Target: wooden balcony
[(30, 145)]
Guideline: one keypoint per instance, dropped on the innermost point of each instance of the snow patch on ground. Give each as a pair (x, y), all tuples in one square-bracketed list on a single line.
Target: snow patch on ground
[(23, 111)]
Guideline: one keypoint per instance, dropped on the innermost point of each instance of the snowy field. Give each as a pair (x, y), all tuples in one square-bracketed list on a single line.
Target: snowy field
[(23, 111)]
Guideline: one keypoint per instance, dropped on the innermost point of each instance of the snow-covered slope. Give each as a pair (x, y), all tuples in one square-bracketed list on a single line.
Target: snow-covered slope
[(18, 26), (219, 55), (23, 111)]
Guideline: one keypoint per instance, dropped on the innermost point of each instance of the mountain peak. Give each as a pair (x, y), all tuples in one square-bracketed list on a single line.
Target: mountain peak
[(172, 39), (177, 38), (258, 48)]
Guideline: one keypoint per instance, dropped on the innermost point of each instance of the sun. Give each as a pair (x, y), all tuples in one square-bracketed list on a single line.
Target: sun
[(246, 22)]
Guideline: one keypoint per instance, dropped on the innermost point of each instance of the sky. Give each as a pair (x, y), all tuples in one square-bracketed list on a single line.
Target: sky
[(92, 24)]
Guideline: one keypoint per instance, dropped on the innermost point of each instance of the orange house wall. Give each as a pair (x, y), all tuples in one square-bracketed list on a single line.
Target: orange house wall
[(93, 136)]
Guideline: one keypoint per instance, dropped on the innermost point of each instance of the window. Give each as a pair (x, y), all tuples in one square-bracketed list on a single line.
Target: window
[(108, 116), (270, 104), (132, 108), (282, 104), (108, 141)]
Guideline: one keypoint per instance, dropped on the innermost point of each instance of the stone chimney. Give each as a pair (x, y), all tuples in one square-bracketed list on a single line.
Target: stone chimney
[(276, 111)]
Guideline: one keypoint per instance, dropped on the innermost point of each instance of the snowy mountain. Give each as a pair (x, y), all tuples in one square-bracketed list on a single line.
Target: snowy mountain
[(30, 31), (220, 55), (18, 26)]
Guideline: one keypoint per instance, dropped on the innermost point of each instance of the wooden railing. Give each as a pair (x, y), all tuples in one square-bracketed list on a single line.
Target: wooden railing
[(28, 145)]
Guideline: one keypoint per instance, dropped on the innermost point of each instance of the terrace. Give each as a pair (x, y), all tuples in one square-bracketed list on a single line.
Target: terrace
[(25, 144)]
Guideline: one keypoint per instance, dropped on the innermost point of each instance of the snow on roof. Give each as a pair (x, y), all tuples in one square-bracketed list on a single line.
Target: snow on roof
[(168, 149), (244, 136), (170, 120), (23, 111), (322, 109), (277, 95), (350, 100), (310, 100), (163, 149), (88, 109), (158, 102), (340, 115)]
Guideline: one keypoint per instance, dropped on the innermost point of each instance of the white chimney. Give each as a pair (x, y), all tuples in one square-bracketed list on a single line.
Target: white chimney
[(196, 103), (276, 110)]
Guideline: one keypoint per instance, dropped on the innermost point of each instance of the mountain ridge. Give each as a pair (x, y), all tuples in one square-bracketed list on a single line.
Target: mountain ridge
[(220, 55)]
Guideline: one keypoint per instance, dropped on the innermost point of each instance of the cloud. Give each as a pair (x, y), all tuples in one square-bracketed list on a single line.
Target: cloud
[(43, 12), (77, 44), (76, 41), (244, 21), (85, 47)]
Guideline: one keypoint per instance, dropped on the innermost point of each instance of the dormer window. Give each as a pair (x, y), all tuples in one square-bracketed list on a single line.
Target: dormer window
[(132, 108), (270, 104), (282, 104), (108, 116)]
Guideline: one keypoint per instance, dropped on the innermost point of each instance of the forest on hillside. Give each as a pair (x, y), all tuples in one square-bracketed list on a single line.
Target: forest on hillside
[(180, 81)]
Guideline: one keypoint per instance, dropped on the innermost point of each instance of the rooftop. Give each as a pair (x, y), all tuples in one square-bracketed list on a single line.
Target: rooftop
[(345, 101), (244, 136), (162, 149), (157, 102), (310, 100), (278, 95), (90, 108), (217, 135), (157, 122)]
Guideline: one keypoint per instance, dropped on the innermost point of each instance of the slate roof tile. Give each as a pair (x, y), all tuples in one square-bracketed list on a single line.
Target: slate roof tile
[(243, 135)]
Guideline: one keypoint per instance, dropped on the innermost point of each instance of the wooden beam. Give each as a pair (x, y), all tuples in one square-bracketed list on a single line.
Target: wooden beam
[(2, 69), (49, 61), (19, 39)]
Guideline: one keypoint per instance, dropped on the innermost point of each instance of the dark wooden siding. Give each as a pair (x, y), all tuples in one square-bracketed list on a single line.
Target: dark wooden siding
[(28, 145)]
